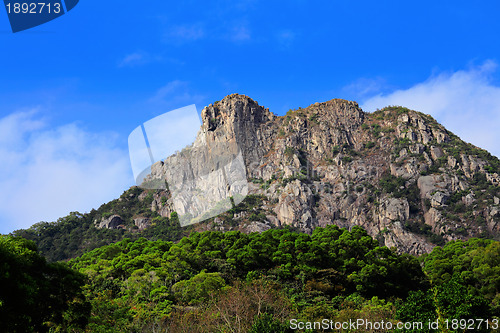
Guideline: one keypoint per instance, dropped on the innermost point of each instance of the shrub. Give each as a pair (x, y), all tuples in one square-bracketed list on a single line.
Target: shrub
[(289, 151), (369, 144), (335, 150), (347, 159)]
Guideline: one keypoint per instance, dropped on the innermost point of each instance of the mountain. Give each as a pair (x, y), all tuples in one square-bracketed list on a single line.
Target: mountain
[(396, 172)]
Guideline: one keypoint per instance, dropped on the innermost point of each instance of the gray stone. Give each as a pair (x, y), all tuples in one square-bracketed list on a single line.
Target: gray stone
[(112, 222), (257, 227), (436, 152), (438, 199), (469, 199), (142, 222), (280, 147)]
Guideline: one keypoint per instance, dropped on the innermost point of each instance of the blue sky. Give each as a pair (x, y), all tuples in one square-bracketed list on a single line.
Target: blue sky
[(73, 89)]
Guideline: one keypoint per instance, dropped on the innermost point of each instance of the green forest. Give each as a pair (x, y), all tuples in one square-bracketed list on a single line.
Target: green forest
[(259, 282)]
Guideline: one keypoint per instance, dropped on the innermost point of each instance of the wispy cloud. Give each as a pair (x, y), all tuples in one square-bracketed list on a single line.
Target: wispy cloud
[(239, 33), (366, 87), (285, 38), (466, 101), (48, 172), (176, 94), (139, 58), (232, 31), (185, 33), (132, 59)]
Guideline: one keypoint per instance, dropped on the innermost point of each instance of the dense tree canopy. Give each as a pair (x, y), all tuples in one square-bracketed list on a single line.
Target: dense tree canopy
[(474, 264), (36, 296), (235, 282), (155, 277)]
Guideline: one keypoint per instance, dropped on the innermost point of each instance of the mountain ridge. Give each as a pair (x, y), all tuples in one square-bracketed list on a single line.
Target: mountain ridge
[(396, 172), (349, 149)]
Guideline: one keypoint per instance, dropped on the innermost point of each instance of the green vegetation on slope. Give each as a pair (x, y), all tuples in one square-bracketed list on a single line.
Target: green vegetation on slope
[(206, 280), (76, 233), (234, 282), (36, 296)]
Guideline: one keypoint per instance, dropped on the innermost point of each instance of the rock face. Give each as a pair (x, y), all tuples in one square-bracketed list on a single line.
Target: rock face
[(398, 173), (142, 222), (112, 222)]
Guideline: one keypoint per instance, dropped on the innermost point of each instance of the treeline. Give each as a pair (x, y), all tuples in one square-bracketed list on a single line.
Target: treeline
[(234, 282), (76, 233)]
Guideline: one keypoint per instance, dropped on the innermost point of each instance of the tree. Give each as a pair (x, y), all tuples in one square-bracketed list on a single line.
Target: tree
[(418, 307), (36, 296), (474, 264), (198, 289), (266, 323), (453, 301)]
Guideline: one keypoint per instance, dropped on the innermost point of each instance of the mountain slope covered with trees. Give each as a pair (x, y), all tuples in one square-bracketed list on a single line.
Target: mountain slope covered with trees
[(235, 282), (382, 216), (398, 173)]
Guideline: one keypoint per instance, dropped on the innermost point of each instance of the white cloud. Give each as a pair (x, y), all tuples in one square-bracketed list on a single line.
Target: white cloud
[(132, 59), (285, 38), (239, 33), (366, 87), (48, 172), (467, 102), (168, 89), (186, 33), (140, 58), (234, 31), (176, 94)]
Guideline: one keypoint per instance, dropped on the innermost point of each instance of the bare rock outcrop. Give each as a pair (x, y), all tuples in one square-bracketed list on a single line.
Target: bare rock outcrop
[(112, 222), (396, 172), (142, 222)]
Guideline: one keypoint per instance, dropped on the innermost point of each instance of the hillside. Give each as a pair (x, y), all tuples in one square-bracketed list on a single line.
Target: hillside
[(395, 172), (276, 281)]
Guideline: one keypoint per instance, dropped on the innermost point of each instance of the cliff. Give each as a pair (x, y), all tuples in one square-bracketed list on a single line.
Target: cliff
[(396, 172)]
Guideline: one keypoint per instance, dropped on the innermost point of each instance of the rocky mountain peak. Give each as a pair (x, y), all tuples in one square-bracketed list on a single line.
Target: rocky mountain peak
[(339, 110), (396, 172), (234, 108)]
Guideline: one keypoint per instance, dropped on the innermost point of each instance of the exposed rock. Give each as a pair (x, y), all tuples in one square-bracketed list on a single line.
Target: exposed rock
[(493, 178), (273, 220), (435, 184), (494, 212), (438, 199), (436, 152), (294, 205), (112, 222), (393, 209), (161, 204), (257, 227), (469, 199), (142, 196), (142, 222), (433, 218), (324, 164), (452, 162), (417, 148), (405, 241)]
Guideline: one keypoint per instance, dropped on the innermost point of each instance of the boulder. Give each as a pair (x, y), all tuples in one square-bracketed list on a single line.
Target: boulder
[(142, 222), (112, 222)]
